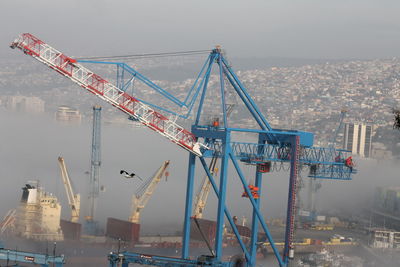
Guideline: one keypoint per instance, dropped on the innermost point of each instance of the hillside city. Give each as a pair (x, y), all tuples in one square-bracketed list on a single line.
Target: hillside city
[(308, 97)]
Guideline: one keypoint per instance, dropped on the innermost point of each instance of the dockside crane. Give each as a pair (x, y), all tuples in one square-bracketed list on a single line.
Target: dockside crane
[(202, 141), (144, 193), (74, 200)]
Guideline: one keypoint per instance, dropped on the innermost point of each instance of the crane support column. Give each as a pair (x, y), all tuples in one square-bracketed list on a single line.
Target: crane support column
[(254, 225), (288, 253), (188, 207), (222, 195)]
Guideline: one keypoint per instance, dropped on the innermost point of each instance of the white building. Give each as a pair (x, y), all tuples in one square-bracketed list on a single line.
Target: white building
[(68, 114), (382, 238), (358, 139)]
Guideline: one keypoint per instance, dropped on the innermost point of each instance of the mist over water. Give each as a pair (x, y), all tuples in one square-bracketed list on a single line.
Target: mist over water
[(32, 143)]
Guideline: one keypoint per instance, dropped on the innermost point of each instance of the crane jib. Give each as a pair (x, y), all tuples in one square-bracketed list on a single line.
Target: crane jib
[(100, 87)]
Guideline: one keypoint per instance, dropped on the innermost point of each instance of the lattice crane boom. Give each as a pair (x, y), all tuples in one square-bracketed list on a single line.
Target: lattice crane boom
[(143, 195), (74, 200), (336, 133), (8, 221), (100, 87)]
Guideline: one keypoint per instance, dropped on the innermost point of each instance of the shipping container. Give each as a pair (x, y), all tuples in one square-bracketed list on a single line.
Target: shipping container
[(124, 230), (71, 230), (207, 227), (244, 231)]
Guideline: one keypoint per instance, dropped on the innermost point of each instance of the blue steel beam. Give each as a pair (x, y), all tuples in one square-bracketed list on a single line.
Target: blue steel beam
[(222, 195), (204, 91), (227, 213), (222, 90), (254, 222), (274, 152), (249, 99), (256, 210), (190, 99), (288, 252), (125, 258), (188, 206), (328, 161), (32, 258), (139, 76)]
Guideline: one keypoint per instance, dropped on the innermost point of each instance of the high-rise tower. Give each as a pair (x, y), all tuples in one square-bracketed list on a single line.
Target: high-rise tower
[(358, 139)]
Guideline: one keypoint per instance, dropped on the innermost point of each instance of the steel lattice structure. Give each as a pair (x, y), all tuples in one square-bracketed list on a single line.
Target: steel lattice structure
[(204, 141), (106, 91)]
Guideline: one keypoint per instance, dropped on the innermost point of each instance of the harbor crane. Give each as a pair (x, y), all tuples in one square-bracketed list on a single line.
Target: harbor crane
[(74, 200), (292, 147), (144, 193)]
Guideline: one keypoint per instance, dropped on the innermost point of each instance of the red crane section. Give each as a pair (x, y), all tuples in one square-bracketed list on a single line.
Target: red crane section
[(100, 87)]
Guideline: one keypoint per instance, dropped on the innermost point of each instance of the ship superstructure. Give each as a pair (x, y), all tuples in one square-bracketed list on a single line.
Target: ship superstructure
[(38, 215)]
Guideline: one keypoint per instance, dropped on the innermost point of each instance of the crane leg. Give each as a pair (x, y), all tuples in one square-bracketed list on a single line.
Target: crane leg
[(288, 253), (254, 224), (188, 207), (227, 213), (221, 198)]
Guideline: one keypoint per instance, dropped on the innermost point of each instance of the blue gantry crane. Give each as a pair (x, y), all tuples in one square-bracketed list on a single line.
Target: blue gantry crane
[(205, 141)]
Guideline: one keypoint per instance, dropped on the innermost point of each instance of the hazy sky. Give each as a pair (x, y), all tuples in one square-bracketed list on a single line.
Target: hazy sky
[(301, 28)]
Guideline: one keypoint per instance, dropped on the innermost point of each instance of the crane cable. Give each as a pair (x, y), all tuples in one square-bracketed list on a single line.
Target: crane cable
[(148, 55)]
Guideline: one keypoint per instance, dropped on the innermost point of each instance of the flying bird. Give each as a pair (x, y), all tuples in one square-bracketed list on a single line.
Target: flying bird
[(129, 175)]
